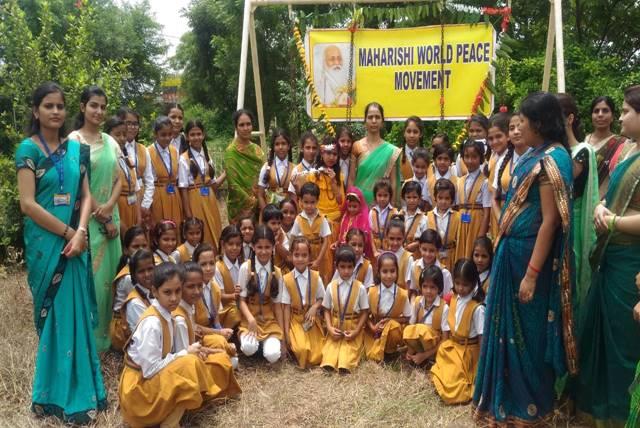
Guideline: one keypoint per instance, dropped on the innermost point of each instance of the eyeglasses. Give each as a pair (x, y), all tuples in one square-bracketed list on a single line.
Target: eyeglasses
[(132, 124)]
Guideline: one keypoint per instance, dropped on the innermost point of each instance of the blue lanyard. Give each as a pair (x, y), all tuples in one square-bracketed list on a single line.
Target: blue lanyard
[(170, 167), (125, 168), (202, 174), (464, 191), (278, 179), (395, 289), (446, 232), (346, 303), (426, 315), (308, 291), (260, 290), (57, 161)]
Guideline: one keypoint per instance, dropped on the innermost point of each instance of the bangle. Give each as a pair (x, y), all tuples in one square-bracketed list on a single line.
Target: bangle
[(533, 268), (108, 220), (82, 229), (66, 229), (612, 223)]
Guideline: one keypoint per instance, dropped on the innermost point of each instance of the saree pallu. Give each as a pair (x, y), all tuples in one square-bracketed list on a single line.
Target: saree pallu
[(584, 233), (379, 164), (243, 168), (610, 339), (105, 252), (526, 346), (67, 381)]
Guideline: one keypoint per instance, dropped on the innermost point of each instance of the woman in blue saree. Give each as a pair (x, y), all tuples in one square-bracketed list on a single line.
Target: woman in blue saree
[(528, 336), (376, 158), (55, 198), (609, 336)]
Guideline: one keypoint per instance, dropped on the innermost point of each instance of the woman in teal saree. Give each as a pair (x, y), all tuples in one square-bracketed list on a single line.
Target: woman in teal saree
[(55, 198), (528, 339), (609, 337), (375, 157)]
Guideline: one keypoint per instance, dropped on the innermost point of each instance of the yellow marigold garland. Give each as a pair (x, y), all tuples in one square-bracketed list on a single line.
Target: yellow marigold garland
[(315, 99), (474, 109)]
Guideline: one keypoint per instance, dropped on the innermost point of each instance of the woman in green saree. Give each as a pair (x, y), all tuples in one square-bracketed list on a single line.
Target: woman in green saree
[(242, 162), (55, 198), (609, 336), (376, 158), (104, 225)]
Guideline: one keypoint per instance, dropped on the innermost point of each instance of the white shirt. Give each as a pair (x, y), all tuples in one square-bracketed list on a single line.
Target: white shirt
[(362, 302), (176, 142), (368, 276), (306, 166), (383, 213), (477, 320), (146, 178), (123, 288), (444, 324), (206, 294), (166, 257), (145, 348), (136, 307), (512, 164), (246, 250), (484, 275), (185, 178), (446, 275), (484, 197), (282, 170), (408, 151), (296, 230), (302, 279), (181, 340), (438, 176), (234, 270), (442, 223), (165, 158), (426, 195), (387, 300), (262, 273), (408, 223)]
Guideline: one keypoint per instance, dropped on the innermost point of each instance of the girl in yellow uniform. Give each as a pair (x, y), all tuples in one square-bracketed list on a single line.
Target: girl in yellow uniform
[(394, 240), (483, 258), (454, 372), (420, 166), (191, 230), (428, 324), (221, 363), (477, 129), (429, 245), (414, 218), (275, 175), (164, 164), (389, 313), (302, 296), (346, 161), (498, 139), (445, 221), (363, 271), (159, 383), (261, 286), (289, 210), (412, 135), (124, 321), (198, 183), (272, 217), (307, 158), (134, 239), (381, 213), (474, 200), (441, 167), (165, 241), (346, 307), (226, 276)]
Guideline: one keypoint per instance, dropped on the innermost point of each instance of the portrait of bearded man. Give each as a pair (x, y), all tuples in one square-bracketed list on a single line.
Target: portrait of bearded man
[(331, 77)]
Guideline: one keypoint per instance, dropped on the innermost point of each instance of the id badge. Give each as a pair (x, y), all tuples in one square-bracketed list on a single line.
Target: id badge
[(466, 217), (140, 183), (132, 198), (204, 191), (444, 254), (61, 199), (171, 189)]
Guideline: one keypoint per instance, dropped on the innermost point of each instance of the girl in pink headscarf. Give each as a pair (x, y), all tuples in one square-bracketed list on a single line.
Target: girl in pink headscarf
[(355, 214)]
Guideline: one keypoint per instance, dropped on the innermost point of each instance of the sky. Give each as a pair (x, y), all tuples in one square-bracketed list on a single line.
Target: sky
[(168, 14)]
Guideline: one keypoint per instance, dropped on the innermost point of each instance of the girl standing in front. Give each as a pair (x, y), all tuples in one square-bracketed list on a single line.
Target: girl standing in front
[(275, 175), (104, 226), (198, 183), (389, 313), (302, 296), (175, 113), (473, 200), (454, 372), (261, 284), (164, 161), (445, 221)]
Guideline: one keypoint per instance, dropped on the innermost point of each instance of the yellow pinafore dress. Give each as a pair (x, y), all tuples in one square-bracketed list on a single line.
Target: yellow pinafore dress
[(184, 254), (278, 186), (204, 204), (468, 231), (406, 170), (128, 199), (378, 230), (403, 265), (305, 345), (361, 273), (340, 353), (230, 313), (262, 311), (447, 254), (421, 337), (312, 233), (167, 204), (391, 337), (119, 327), (184, 383), (410, 235), (454, 372), (432, 178)]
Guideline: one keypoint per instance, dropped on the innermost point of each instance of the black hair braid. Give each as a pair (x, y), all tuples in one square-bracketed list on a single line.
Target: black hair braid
[(193, 166), (507, 158), (252, 285), (274, 286), (479, 294)]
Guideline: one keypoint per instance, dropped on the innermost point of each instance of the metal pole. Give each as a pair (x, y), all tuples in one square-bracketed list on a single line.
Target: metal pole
[(314, 2), (242, 76), (548, 57), (559, 45), (256, 79)]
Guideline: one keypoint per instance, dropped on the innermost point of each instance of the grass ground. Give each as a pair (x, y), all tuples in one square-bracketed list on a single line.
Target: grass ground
[(374, 396)]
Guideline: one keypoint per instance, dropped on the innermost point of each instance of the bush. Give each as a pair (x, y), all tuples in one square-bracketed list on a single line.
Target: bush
[(11, 222)]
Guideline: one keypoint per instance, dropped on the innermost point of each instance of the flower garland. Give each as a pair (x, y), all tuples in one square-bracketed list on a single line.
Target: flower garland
[(315, 99)]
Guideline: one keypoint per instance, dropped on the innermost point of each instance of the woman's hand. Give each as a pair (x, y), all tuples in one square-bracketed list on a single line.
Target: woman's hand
[(527, 289), (76, 245), (103, 213), (599, 217), (310, 316), (226, 332), (334, 332), (252, 327), (636, 312), (112, 230)]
